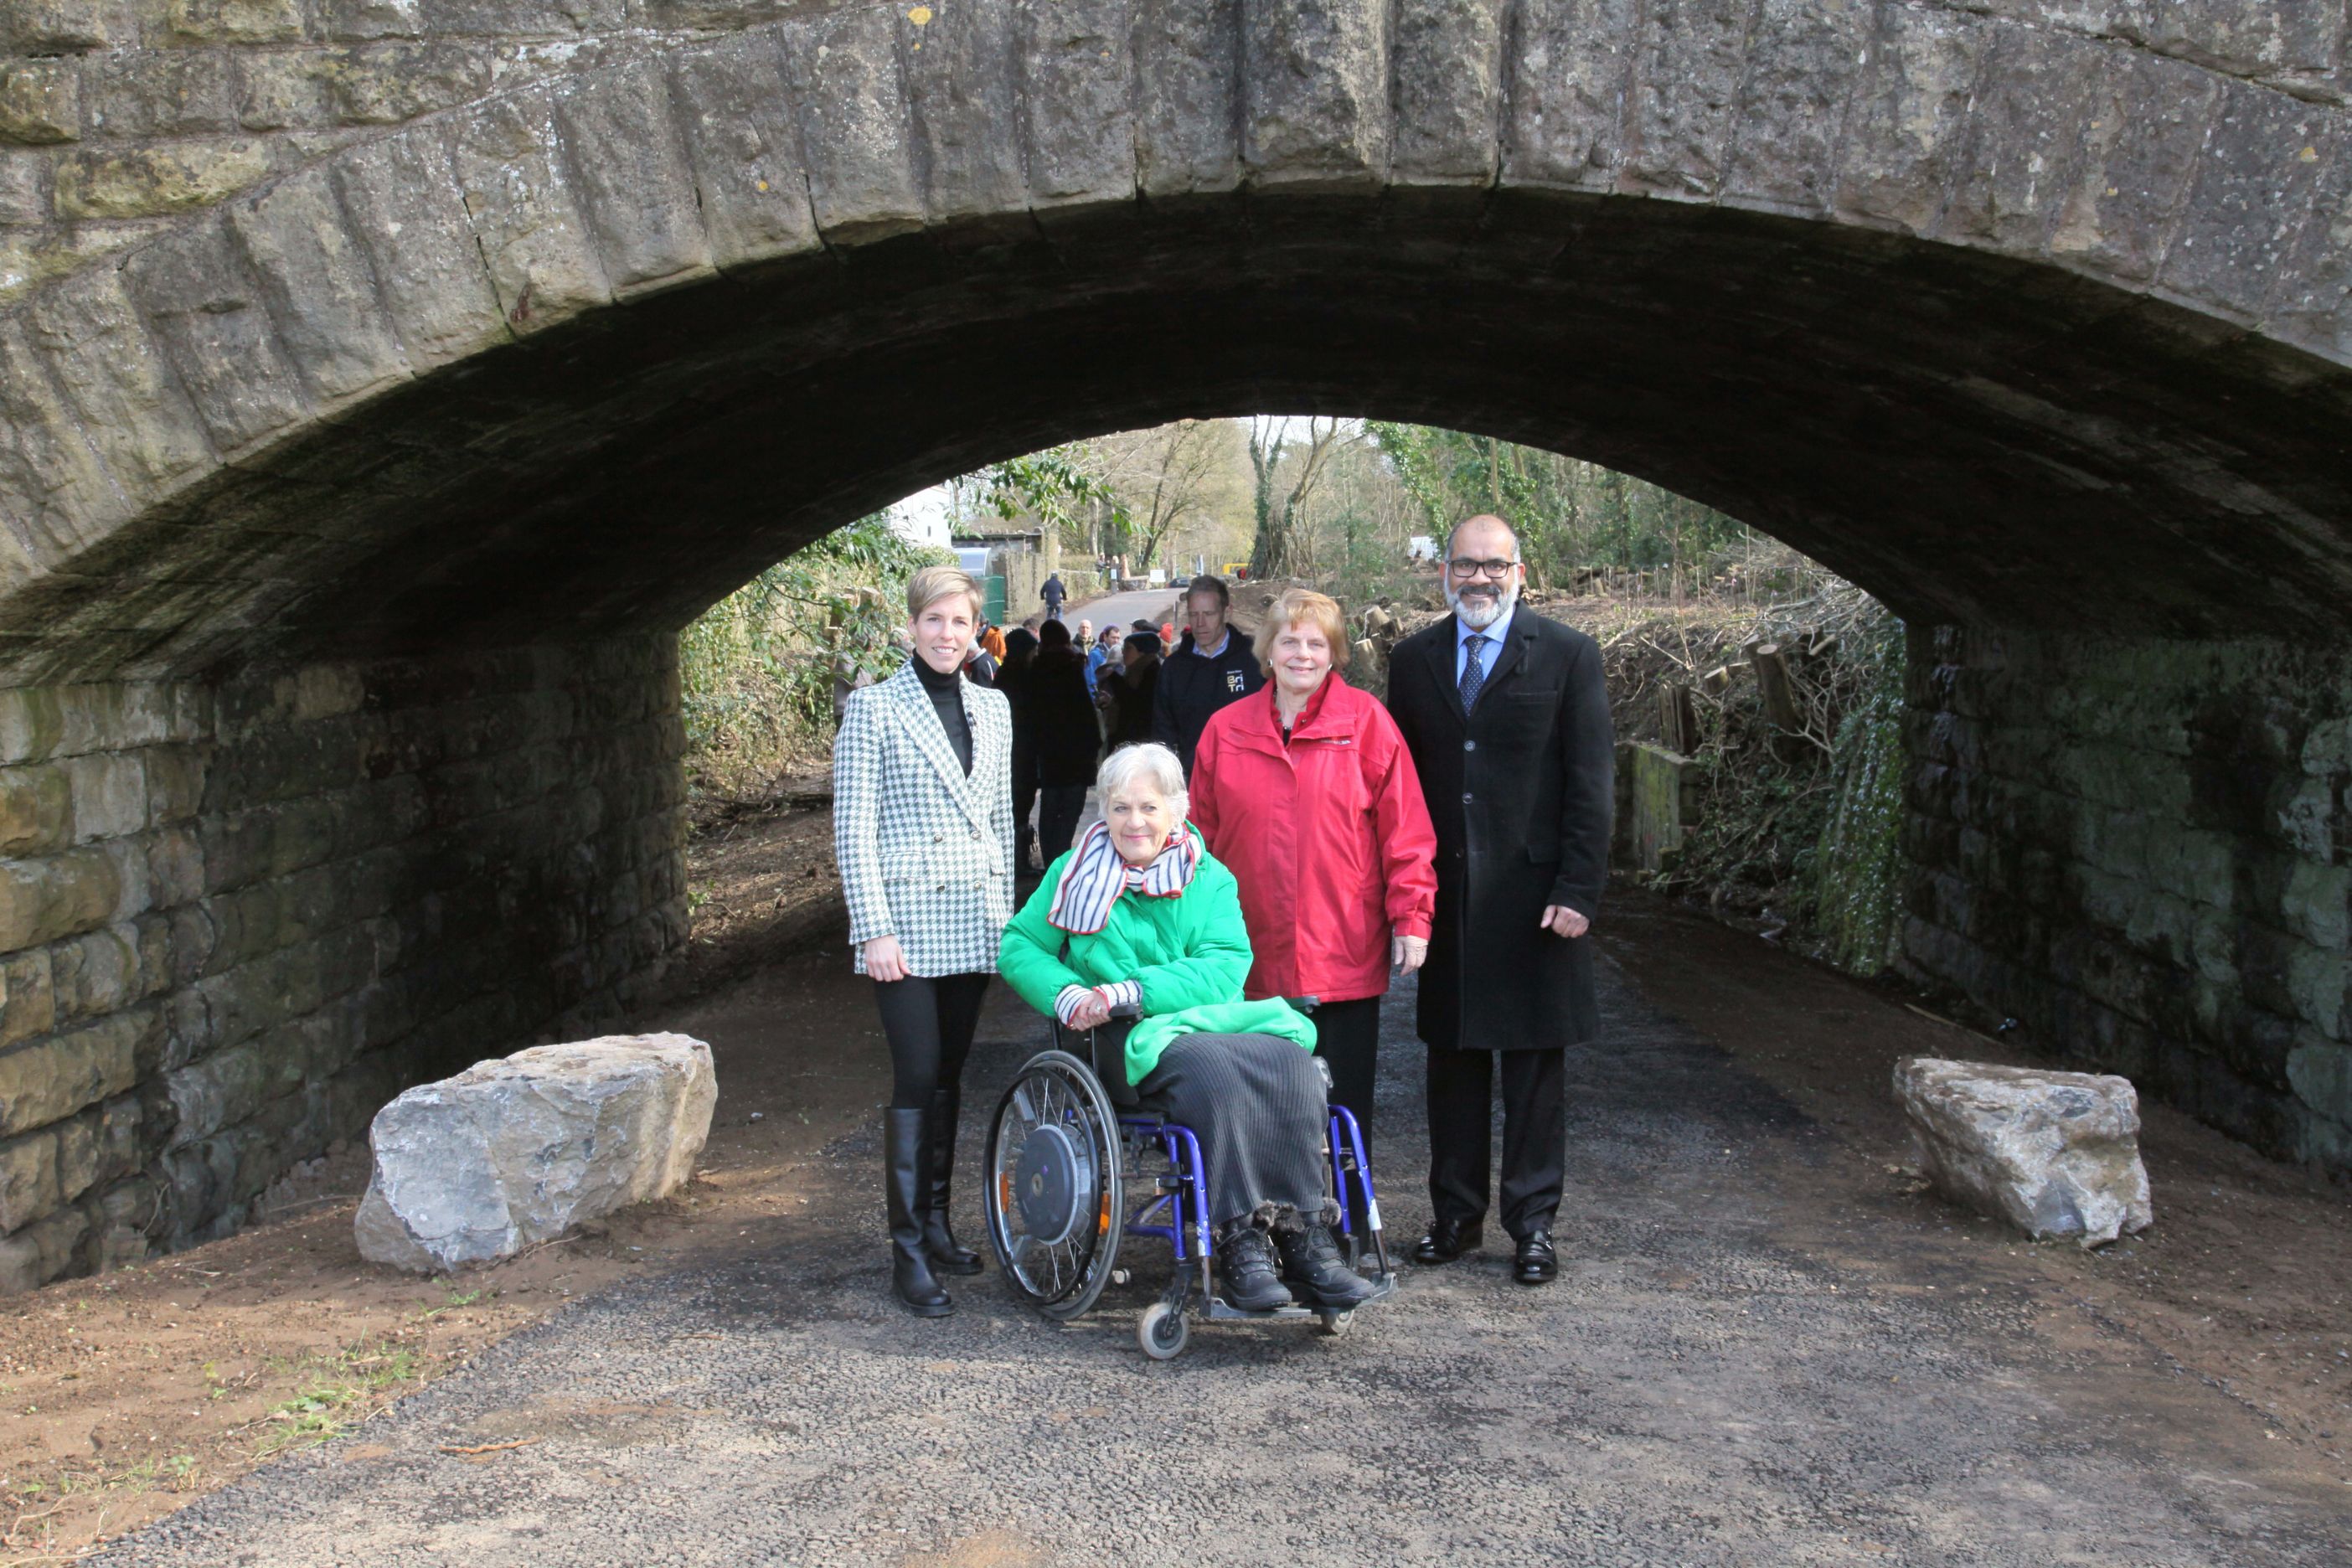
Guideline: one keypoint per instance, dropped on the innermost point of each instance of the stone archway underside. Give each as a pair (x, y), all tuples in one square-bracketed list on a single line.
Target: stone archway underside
[(353, 478), (1976, 441)]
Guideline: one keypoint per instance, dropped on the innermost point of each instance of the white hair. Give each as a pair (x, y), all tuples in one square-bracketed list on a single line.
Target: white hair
[(1151, 761)]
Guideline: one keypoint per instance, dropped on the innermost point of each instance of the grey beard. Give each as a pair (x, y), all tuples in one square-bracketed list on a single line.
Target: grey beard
[(1474, 616)]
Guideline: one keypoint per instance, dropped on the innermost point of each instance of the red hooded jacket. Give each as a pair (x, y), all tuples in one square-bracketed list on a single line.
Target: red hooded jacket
[(1327, 835)]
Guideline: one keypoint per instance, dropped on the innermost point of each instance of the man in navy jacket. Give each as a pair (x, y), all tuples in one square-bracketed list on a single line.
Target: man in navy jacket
[(1212, 667)]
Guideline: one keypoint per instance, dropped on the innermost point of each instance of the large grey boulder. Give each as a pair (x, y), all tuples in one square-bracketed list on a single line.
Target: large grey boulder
[(2054, 1153), (475, 1167)]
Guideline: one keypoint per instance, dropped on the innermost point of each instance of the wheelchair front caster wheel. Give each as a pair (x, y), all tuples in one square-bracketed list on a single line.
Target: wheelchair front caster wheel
[(1163, 1331), (1336, 1324)]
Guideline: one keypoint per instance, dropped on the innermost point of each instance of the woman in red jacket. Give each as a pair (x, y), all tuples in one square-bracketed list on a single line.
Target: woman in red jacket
[(1306, 790)]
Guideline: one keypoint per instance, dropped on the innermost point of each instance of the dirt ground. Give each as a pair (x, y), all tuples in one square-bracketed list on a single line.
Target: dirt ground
[(123, 1396)]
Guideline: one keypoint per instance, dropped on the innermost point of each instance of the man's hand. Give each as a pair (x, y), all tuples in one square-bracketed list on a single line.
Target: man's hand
[(1407, 953), (1562, 920), (884, 960), (1092, 1012)]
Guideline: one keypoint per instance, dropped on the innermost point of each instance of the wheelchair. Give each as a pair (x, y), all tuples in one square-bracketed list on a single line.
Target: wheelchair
[(1076, 1164)]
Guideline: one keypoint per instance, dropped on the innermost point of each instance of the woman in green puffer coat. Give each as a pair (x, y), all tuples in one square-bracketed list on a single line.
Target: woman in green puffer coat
[(1140, 914)]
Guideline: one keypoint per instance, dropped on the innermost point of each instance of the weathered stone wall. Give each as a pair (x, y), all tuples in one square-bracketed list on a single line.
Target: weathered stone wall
[(2141, 849), (236, 919), (1657, 805)]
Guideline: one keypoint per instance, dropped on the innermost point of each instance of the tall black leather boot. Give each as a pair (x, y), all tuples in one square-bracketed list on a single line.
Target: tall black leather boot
[(907, 1190), (948, 1255)]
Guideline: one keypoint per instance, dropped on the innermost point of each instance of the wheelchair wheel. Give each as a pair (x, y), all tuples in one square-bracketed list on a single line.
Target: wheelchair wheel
[(1053, 1184), (1163, 1331), (1336, 1324)]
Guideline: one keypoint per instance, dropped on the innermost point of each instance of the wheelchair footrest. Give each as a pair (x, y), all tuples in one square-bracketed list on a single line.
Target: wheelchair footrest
[(1217, 1311)]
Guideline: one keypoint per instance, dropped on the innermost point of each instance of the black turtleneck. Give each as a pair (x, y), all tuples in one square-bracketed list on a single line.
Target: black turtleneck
[(947, 701)]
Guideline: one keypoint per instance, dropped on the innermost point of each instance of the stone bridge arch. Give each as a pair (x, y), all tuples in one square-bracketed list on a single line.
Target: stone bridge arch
[(382, 383)]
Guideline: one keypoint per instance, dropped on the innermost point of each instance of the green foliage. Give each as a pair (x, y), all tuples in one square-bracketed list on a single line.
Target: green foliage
[(1851, 883), (757, 669), (1050, 486), (1570, 515), (1795, 831)]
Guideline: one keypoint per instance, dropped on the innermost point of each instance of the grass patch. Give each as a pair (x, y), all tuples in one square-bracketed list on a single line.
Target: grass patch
[(320, 1407)]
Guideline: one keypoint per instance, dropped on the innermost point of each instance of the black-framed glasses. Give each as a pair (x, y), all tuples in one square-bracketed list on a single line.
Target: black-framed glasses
[(1462, 566)]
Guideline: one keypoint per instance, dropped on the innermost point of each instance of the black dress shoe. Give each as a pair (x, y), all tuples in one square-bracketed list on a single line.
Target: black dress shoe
[(1539, 1261), (1447, 1240)]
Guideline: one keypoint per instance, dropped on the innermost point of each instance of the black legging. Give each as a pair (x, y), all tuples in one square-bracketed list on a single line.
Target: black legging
[(929, 1024)]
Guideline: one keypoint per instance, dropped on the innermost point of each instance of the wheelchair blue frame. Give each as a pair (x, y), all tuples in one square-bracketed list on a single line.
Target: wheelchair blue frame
[(1075, 1155)]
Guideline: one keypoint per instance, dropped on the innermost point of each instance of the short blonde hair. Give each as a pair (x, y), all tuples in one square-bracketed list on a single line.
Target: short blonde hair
[(932, 584), (1303, 606)]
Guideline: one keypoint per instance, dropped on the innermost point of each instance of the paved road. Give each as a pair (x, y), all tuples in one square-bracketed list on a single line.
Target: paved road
[(1158, 606), (1723, 1375)]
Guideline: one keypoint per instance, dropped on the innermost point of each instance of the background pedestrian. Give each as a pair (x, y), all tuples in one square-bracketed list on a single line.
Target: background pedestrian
[(1126, 692), (1210, 667), (1012, 679), (1062, 718)]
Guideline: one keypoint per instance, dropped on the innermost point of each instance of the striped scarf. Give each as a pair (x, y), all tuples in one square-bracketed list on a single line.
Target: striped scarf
[(1096, 877)]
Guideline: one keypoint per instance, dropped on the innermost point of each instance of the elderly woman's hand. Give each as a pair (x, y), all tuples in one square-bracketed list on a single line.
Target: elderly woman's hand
[(1406, 952), (1089, 1012)]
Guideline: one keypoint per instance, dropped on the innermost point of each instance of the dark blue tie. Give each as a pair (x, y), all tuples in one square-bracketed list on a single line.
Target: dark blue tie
[(1473, 677)]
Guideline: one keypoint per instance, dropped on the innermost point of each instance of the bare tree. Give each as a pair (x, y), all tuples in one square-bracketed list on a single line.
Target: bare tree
[(1168, 476), (1277, 552)]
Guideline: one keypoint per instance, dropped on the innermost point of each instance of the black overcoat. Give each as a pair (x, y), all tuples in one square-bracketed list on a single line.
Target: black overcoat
[(1064, 736), (1521, 790)]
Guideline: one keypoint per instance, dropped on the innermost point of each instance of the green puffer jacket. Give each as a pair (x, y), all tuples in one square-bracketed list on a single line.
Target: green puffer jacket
[(1190, 954)]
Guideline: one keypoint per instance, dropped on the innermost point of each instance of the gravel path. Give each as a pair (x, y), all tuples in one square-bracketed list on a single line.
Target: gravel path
[(1723, 1375)]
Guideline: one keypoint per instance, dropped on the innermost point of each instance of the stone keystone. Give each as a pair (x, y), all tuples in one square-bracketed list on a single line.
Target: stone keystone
[(475, 1167), (2054, 1153)]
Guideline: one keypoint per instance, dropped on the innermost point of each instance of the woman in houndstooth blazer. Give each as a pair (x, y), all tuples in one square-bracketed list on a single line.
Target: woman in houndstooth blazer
[(923, 825)]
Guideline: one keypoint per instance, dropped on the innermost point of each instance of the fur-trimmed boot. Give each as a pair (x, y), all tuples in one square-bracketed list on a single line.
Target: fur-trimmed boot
[(1311, 1260), (907, 1190), (948, 1255)]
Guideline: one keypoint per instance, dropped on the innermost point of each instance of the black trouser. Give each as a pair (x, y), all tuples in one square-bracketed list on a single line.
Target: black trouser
[(1024, 799), (1535, 1135), (929, 1024), (1348, 1038), (1059, 806)]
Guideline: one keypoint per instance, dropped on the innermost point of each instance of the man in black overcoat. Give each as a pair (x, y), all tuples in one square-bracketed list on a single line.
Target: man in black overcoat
[(1507, 718)]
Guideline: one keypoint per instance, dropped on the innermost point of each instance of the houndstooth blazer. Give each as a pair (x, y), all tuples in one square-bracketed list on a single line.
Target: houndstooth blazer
[(925, 853)]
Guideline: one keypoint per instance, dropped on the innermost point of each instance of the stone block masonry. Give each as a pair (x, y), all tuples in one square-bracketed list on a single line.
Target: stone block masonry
[(2141, 849), (237, 917)]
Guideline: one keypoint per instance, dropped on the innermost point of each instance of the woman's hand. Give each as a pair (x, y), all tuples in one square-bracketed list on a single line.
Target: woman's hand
[(1092, 1012), (1406, 952), (884, 960)]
